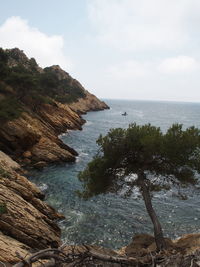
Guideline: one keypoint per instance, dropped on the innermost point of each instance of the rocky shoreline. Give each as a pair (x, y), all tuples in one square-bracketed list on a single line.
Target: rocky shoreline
[(29, 224)]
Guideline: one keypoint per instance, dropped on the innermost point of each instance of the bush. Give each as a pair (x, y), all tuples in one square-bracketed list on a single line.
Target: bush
[(10, 109), (28, 86)]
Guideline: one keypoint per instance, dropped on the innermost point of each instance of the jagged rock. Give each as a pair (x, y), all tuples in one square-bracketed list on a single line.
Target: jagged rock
[(9, 247), (17, 57), (27, 219), (40, 165), (47, 151), (89, 103), (7, 163), (30, 138), (24, 222), (60, 73)]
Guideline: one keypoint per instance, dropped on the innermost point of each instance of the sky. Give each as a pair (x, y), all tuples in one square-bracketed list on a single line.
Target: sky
[(123, 49)]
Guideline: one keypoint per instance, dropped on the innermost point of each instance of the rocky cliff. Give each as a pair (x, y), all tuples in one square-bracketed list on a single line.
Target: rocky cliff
[(26, 222), (36, 105)]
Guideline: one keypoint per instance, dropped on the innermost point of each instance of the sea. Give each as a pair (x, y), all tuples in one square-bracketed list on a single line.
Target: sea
[(111, 220)]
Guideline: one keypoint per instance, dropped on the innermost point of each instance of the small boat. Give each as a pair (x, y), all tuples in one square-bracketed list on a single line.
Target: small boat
[(124, 114)]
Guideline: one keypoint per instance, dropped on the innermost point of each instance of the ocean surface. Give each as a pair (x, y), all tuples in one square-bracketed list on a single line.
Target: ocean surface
[(109, 219)]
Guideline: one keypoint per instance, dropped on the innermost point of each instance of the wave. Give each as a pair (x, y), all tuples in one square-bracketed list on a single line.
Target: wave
[(81, 156), (88, 123), (43, 187)]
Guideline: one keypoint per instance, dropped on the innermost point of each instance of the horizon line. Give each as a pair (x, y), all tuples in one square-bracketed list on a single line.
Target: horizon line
[(151, 100)]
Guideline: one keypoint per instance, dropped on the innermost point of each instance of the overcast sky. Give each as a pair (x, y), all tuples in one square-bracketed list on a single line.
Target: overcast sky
[(125, 49)]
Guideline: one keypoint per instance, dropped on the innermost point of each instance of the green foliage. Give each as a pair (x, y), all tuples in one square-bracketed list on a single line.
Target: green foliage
[(142, 148), (25, 85), (40, 99), (33, 64), (3, 208), (48, 82), (2, 87), (62, 90), (10, 109), (3, 56), (22, 80), (3, 62)]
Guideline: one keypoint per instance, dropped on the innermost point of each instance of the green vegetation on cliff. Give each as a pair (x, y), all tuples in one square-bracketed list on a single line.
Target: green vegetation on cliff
[(10, 109), (23, 83)]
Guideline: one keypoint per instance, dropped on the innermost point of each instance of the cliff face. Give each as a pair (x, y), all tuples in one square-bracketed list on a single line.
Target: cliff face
[(36, 105), (26, 222), (31, 138)]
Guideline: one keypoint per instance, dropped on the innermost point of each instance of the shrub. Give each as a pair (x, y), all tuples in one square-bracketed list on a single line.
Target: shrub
[(10, 109)]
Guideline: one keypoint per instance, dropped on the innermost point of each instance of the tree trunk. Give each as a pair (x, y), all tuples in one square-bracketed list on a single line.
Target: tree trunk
[(158, 233)]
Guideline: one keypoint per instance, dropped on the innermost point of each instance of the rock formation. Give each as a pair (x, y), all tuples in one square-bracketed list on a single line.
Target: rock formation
[(25, 220), (36, 105), (49, 102)]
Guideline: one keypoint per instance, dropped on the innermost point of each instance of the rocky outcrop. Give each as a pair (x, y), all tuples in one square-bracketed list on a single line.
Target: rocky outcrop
[(26, 222), (17, 57), (9, 247), (32, 137), (89, 103)]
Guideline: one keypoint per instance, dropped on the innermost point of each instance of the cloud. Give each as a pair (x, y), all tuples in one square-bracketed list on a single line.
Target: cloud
[(47, 50), (144, 24), (132, 70), (179, 64), (129, 69)]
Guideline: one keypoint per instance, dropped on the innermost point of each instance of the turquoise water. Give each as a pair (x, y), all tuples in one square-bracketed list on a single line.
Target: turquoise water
[(109, 219)]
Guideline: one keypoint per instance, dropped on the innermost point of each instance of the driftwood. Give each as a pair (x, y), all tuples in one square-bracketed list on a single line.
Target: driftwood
[(87, 256), (58, 257)]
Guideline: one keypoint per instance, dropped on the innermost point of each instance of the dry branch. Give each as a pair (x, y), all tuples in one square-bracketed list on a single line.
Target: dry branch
[(87, 256)]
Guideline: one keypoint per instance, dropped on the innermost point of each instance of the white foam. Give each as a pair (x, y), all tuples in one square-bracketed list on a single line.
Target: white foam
[(43, 187), (88, 123)]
